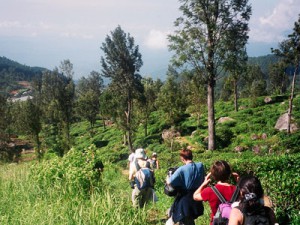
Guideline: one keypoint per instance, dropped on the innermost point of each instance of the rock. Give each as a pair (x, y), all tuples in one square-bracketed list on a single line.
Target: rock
[(268, 100), (281, 124), (224, 119), (169, 134), (239, 148)]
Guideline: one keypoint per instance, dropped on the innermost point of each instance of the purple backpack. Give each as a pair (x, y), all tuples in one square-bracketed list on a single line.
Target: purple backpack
[(224, 209)]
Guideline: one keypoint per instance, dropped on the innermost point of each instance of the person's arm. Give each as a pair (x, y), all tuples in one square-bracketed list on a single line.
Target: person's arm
[(157, 164), (132, 171), (236, 217), (197, 194)]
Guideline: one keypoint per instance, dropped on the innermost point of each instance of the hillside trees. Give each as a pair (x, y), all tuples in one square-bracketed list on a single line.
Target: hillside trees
[(289, 51), (253, 84), (236, 56), (57, 100), (121, 62), (201, 41), (3, 126), (279, 80), (89, 91), (147, 105), (29, 122), (170, 98)]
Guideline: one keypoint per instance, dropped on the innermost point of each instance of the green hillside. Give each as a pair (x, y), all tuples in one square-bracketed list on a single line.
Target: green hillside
[(65, 191)]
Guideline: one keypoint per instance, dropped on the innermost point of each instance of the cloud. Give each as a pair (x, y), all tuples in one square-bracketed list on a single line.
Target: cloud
[(157, 39), (274, 26)]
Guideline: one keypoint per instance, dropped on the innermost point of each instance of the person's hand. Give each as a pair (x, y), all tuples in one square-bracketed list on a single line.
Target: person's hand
[(131, 184), (236, 176), (207, 179)]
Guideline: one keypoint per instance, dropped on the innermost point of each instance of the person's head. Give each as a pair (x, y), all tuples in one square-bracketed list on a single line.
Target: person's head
[(251, 192), (154, 155), (186, 154), (220, 171), (140, 154)]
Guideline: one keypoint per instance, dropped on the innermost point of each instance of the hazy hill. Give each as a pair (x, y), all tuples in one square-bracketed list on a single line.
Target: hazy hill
[(263, 62), (12, 73)]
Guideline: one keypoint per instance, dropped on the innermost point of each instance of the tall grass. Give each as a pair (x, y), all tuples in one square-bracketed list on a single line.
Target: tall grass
[(23, 202)]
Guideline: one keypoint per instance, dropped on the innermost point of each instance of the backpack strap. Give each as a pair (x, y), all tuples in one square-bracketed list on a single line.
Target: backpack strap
[(219, 195), (137, 166), (235, 194)]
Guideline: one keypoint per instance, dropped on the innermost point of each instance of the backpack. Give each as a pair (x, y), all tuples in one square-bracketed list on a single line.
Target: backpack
[(224, 209), (259, 217), (144, 177)]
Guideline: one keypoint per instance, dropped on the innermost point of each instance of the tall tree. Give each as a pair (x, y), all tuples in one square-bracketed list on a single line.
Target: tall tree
[(201, 40), (89, 91), (121, 63), (289, 50)]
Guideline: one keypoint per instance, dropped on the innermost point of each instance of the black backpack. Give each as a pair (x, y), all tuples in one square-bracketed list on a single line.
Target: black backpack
[(259, 217)]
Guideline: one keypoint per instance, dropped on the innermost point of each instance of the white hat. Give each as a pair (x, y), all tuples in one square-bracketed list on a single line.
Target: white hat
[(140, 154)]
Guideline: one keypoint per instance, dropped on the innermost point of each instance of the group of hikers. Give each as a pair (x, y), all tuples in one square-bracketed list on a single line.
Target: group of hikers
[(243, 203)]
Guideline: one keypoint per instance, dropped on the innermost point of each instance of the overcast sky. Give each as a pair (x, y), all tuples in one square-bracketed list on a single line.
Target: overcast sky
[(45, 32)]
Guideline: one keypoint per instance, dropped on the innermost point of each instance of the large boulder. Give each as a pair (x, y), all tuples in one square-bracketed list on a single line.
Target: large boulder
[(225, 119), (282, 124)]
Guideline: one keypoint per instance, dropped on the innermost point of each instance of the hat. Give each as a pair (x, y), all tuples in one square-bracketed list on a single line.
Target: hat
[(154, 154), (140, 154)]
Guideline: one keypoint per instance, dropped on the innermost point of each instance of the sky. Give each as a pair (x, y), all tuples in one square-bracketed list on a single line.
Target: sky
[(45, 32)]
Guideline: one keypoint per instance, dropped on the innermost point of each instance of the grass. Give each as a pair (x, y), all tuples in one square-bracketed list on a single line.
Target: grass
[(23, 202)]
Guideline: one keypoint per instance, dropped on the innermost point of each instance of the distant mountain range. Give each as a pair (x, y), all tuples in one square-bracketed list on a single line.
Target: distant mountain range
[(12, 72)]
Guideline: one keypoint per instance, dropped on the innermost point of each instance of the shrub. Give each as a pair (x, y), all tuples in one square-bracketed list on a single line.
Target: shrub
[(75, 170)]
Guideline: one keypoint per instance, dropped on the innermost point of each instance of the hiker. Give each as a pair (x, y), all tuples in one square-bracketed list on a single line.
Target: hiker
[(185, 181), (143, 190), (251, 205), (220, 172), (154, 163)]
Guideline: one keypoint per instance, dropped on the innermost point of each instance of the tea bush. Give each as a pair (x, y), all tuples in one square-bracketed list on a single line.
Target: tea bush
[(74, 170)]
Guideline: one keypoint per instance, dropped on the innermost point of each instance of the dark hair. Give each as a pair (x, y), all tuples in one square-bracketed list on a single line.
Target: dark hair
[(251, 192), (220, 171), (186, 154)]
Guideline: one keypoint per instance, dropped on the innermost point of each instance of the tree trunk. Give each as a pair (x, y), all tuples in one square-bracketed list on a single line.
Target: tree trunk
[(235, 95), (128, 124), (38, 145), (291, 101), (211, 116)]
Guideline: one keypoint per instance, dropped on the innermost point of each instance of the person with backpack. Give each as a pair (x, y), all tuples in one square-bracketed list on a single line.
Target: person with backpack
[(251, 209), (185, 181), (141, 179), (222, 193), (154, 163)]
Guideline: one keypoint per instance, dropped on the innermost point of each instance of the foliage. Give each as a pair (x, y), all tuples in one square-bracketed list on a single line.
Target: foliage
[(75, 170), (202, 41), (88, 92), (121, 62)]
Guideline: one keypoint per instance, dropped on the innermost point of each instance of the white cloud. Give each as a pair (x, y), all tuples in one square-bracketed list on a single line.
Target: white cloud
[(274, 26), (157, 39)]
